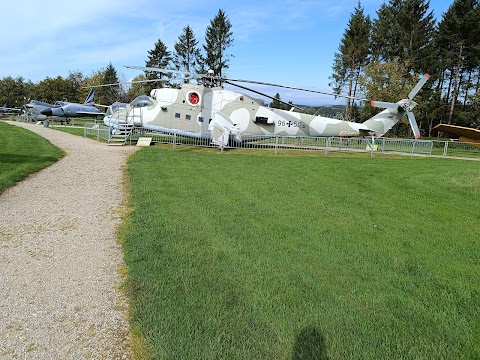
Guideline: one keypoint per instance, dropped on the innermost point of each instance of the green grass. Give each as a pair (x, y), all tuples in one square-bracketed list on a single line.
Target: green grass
[(240, 256), (78, 132), (23, 152)]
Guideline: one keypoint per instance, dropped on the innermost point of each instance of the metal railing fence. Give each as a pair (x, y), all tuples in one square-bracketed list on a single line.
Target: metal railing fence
[(323, 144)]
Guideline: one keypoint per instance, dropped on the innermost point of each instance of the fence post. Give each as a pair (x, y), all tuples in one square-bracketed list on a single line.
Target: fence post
[(174, 140), (327, 143), (372, 146), (276, 145), (445, 149)]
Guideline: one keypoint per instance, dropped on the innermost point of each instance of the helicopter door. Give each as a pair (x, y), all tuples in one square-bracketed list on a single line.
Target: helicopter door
[(182, 119)]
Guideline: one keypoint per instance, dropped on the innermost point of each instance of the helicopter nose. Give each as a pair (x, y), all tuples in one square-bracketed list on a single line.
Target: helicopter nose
[(47, 112)]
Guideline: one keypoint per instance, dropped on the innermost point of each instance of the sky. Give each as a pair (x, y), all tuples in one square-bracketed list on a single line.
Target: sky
[(289, 42)]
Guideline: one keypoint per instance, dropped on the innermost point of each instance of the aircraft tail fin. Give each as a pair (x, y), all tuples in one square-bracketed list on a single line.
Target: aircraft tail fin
[(89, 100), (394, 112)]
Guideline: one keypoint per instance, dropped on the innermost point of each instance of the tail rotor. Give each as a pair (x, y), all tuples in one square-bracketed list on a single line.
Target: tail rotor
[(406, 105)]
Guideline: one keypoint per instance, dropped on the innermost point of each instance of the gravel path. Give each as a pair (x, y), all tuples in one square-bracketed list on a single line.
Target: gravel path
[(59, 258)]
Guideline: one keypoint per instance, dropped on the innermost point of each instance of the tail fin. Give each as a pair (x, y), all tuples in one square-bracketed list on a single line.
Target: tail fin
[(89, 100), (394, 112)]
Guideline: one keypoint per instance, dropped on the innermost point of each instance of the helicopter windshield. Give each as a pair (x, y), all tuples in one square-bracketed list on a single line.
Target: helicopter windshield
[(116, 106), (142, 101)]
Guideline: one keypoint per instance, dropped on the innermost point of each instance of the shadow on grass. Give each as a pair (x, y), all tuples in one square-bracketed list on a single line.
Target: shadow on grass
[(18, 159), (310, 344)]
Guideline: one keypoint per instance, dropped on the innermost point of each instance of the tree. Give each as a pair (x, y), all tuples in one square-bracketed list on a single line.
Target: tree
[(458, 40), (51, 90), (384, 35), (475, 103), (13, 91), (139, 87), (75, 80), (404, 31), (276, 104), (186, 53), (352, 57), (110, 93), (386, 81), (218, 38), (95, 78), (403, 35), (159, 57)]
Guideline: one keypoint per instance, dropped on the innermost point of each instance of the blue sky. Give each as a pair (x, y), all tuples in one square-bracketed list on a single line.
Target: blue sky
[(290, 42)]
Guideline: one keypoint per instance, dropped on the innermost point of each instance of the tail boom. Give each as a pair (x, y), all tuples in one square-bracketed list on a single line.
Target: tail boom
[(384, 121)]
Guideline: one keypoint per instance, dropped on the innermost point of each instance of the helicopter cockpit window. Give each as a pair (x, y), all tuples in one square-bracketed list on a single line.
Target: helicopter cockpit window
[(142, 101), (116, 107)]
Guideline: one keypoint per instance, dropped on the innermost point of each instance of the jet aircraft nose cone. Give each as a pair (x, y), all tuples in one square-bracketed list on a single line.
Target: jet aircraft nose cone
[(47, 112)]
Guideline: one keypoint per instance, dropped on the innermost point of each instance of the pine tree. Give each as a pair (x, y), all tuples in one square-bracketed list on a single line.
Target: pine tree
[(352, 56), (159, 57), (112, 93), (458, 40), (403, 35), (416, 27), (186, 53), (276, 104), (384, 34), (403, 32), (218, 38)]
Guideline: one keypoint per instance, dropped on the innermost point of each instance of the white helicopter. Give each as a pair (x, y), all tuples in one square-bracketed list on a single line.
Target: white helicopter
[(209, 111)]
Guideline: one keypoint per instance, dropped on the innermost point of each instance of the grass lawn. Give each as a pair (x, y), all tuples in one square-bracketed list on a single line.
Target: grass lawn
[(23, 152), (243, 256)]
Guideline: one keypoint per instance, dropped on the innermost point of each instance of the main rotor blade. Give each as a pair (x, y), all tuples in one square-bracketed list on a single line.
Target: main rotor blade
[(164, 71), (383, 104), (129, 82), (419, 85), (294, 88), (199, 76), (259, 93), (413, 124)]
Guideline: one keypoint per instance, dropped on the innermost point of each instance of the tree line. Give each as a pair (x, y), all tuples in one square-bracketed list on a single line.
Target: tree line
[(382, 58), (187, 56)]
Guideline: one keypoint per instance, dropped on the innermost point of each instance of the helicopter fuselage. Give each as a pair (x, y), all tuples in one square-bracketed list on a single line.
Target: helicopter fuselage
[(220, 114)]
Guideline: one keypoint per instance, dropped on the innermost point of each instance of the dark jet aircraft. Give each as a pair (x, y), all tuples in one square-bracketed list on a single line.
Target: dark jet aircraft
[(34, 109), (4, 110), (67, 109)]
